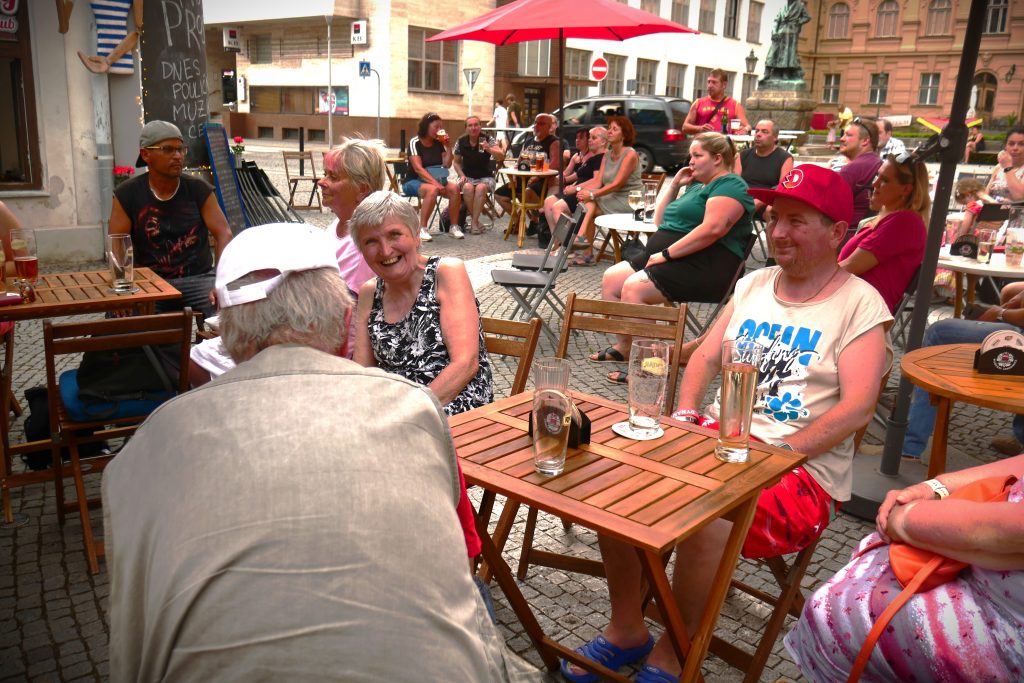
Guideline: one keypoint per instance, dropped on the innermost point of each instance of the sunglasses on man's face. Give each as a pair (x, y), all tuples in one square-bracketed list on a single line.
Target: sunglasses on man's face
[(170, 149)]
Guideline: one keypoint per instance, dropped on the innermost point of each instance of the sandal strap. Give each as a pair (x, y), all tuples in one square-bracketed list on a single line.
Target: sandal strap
[(652, 674)]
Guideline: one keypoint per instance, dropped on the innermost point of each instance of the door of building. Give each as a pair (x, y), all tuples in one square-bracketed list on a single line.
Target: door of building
[(986, 85), (533, 104)]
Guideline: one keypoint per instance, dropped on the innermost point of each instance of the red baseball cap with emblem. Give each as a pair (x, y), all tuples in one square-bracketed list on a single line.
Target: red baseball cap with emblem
[(816, 186)]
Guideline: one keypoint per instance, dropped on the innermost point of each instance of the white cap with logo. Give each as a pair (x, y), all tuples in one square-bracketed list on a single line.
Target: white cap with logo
[(282, 247)]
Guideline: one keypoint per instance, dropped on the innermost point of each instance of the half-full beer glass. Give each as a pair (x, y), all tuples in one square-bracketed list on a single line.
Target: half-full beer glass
[(26, 260), (741, 359), (648, 379), (552, 414), (121, 259)]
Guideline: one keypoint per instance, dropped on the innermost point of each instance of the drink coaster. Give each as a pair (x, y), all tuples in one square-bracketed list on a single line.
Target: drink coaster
[(623, 429)]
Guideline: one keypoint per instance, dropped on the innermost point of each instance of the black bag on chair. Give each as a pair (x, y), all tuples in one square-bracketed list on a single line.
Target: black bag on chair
[(631, 248), (37, 428)]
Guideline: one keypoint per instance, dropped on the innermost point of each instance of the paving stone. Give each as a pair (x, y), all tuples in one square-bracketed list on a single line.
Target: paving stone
[(76, 670), (40, 668)]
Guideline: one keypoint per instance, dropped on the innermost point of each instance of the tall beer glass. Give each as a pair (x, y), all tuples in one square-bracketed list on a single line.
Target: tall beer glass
[(648, 379), (741, 359), (552, 414), (121, 258)]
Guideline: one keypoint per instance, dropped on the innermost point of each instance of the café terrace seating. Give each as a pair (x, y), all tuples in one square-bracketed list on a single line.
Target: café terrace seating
[(120, 421)]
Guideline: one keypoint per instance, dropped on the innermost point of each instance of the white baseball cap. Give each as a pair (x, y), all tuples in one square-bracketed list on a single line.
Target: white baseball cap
[(284, 247)]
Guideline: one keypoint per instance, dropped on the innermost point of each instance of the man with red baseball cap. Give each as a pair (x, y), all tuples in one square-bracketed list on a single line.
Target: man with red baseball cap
[(825, 350)]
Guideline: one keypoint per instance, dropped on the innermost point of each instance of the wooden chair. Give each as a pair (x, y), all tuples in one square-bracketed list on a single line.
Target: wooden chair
[(652, 181), (517, 340), (613, 317), (297, 161), (789, 601), (75, 338)]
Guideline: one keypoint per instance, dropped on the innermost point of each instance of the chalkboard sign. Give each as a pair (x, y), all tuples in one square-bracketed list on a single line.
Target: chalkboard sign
[(229, 195), (174, 69)]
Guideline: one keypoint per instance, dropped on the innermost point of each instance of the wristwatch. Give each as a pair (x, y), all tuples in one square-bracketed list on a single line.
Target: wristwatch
[(938, 487), (665, 255), (783, 444)]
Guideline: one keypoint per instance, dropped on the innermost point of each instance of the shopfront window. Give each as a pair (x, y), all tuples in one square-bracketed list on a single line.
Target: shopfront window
[(19, 150)]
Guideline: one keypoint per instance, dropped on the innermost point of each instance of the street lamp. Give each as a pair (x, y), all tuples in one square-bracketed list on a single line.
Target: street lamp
[(751, 61)]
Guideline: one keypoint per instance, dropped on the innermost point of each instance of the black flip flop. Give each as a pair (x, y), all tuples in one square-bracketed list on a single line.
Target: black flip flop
[(609, 355)]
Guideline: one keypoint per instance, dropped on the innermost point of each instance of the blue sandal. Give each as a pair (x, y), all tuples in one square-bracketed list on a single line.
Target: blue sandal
[(652, 674), (607, 654)]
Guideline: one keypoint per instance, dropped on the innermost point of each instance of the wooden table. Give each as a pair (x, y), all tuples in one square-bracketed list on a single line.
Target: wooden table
[(517, 181), (973, 270), (616, 223), (389, 169), (89, 292), (648, 494), (947, 374), (62, 294)]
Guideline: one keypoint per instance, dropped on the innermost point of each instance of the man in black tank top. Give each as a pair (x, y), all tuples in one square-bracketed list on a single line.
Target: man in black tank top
[(765, 163)]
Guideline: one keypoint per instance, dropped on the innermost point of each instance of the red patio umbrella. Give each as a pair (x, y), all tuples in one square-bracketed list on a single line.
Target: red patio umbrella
[(560, 19)]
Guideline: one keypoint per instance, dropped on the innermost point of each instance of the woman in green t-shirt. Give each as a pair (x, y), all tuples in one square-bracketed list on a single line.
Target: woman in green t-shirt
[(701, 239)]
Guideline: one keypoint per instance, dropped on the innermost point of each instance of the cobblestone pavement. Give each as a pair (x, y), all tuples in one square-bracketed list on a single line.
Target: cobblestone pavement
[(53, 614)]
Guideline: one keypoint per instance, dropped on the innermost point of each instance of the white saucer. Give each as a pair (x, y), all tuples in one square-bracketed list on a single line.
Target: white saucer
[(623, 429)]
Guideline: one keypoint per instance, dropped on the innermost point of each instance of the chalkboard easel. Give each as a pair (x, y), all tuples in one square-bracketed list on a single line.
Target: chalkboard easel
[(229, 195)]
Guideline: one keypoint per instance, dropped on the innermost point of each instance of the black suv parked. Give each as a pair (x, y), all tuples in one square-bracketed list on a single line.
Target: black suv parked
[(658, 121)]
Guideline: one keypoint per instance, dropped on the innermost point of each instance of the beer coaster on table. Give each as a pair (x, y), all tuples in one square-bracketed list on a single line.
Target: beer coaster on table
[(623, 429)]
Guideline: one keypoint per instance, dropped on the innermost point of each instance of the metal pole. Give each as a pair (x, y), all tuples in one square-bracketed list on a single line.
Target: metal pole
[(870, 484), (378, 102), (561, 104), (330, 87)]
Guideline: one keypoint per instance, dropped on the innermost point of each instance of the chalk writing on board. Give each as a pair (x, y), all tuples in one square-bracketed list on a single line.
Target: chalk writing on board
[(174, 69)]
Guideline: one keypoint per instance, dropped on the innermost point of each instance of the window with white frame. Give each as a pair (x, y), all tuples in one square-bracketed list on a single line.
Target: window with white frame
[(995, 16), (839, 21), (700, 81), (830, 90), (614, 82), (878, 92), (940, 12), (432, 66), (535, 58), (577, 66), (261, 49), (652, 6), (887, 19), (674, 81), (928, 93), (706, 21), (646, 75), (681, 11), (754, 22)]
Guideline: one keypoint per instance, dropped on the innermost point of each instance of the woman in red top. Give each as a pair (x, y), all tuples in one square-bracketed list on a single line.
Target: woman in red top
[(889, 247)]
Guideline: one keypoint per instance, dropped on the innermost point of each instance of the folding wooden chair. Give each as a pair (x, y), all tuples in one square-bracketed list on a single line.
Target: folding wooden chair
[(652, 181), (516, 340), (789, 601), (301, 175), (692, 321), (613, 317), (9, 404), (114, 333)]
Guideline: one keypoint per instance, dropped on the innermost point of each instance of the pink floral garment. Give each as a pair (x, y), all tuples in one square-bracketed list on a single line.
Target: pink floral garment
[(970, 629)]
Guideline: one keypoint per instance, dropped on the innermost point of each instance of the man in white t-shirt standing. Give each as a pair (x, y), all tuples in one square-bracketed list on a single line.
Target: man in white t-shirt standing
[(500, 121), (825, 351)]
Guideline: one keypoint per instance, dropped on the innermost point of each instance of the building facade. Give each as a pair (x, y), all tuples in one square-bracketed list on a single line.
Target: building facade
[(902, 58), (282, 71)]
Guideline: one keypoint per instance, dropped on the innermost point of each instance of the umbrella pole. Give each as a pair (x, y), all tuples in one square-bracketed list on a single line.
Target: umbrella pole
[(871, 484), (561, 105)]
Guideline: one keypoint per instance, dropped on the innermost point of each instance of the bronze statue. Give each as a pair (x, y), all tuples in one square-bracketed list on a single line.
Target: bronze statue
[(783, 63)]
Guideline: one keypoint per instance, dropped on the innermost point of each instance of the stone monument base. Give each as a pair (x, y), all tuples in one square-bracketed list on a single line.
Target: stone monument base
[(790, 109)]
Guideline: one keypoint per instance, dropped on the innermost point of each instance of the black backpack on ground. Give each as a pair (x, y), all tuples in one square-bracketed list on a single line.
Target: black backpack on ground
[(37, 427)]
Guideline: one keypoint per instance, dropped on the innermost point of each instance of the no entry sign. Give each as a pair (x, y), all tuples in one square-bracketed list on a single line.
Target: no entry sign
[(599, 69)]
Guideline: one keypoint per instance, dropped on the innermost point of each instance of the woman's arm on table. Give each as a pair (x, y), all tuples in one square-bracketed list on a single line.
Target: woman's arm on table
[(460, 328)]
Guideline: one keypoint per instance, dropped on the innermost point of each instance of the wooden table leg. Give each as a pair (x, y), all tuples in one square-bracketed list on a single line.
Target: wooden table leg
[(937, 461), (958, 297)]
